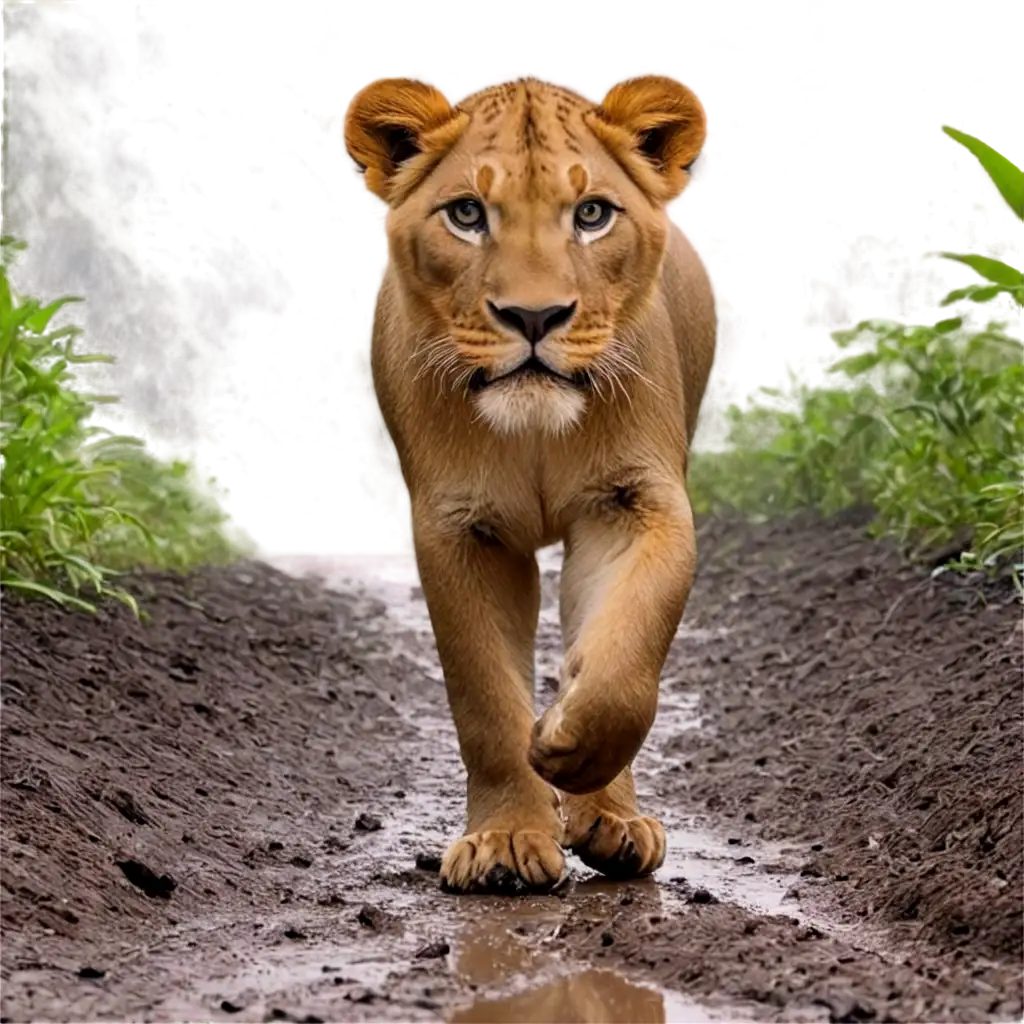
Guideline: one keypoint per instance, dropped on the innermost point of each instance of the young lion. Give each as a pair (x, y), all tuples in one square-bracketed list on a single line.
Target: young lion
[(542, 342)]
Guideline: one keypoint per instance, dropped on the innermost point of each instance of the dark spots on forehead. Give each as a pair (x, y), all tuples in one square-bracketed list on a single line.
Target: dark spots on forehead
[(528, 118), (532, 135)]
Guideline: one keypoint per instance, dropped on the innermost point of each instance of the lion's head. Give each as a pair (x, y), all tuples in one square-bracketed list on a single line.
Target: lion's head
[(526, 229)]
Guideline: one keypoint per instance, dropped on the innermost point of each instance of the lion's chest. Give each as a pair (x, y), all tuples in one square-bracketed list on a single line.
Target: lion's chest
[(510, 507), (526, 505)]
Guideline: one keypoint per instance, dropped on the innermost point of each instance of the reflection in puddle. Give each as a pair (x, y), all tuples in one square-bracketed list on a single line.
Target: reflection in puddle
[(503, 952), (590, 996)]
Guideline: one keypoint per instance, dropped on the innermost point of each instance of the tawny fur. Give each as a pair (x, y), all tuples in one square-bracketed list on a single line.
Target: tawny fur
[(495, 474)]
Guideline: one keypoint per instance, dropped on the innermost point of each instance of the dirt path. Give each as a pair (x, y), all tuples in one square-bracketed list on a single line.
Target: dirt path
[(235, 812)]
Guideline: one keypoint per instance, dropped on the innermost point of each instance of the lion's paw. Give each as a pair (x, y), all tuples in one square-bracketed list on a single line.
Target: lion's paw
[(620, 847), (502, 862), (580, 753)]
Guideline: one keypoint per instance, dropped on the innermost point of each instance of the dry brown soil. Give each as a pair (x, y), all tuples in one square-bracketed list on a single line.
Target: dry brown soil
[(234, 810)]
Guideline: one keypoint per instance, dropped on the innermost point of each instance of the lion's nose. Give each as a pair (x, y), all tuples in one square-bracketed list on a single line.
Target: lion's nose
[(533, 324)]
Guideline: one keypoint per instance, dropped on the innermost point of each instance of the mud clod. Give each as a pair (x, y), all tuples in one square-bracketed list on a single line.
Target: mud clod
[(128, 807), (703, 896), (433, 950), (429, 862), (92, 973), (375, 919)]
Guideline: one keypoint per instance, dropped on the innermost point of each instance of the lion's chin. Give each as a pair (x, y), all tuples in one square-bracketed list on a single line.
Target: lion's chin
[(531, 405)]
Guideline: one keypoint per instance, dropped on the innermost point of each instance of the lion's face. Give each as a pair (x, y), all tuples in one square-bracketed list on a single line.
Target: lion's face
[(528, 226)]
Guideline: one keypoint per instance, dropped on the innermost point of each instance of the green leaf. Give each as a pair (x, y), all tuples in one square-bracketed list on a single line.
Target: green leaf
[(1005, 175), (93, 358), (52, 593), (987, 293), (991, 270), (943, 325), (38, 321)]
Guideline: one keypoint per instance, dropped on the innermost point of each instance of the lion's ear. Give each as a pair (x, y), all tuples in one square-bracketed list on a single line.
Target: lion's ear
[(657, 120), (396, 125)]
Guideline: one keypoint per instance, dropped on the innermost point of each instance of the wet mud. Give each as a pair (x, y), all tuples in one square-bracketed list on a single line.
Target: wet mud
[(236, 810)]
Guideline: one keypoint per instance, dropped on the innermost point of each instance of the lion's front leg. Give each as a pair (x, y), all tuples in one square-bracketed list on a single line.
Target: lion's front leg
[(484, 600), (628, 570)]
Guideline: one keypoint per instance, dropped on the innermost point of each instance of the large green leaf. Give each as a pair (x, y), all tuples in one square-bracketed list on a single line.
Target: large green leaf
[(990, 269), (1005, 175)]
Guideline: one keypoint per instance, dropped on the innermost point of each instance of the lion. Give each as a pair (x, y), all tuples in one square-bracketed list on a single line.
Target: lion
[(542, 342)]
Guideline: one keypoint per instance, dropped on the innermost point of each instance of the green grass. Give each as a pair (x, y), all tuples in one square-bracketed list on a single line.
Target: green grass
[(79, 504), (925, 425)]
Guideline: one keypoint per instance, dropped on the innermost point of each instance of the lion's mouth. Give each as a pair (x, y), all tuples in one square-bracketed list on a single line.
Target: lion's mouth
[(529, 369)]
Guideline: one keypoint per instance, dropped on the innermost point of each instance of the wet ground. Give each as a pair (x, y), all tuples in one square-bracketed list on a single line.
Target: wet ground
[(236, 810)]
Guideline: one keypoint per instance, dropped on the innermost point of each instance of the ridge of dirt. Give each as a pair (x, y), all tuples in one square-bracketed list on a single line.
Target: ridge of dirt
[(234, 811), (125, 741), (854, 703)]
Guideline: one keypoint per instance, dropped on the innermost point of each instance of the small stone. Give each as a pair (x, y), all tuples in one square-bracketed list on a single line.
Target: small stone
[(368, 823), (370, 917), (93, 973), (428, 862), (703, 896)]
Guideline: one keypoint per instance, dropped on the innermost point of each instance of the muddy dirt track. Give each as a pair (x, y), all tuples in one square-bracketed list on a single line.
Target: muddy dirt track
[(235, 811)]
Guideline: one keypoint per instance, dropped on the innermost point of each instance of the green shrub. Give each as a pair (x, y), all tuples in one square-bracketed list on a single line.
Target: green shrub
[(78, 503), (926, 426)]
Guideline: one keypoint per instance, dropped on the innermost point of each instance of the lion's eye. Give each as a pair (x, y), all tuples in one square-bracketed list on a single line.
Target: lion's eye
[(467, 214), (593, 217)]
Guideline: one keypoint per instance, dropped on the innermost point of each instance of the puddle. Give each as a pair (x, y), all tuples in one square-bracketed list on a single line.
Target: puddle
[(503, 954), (587, 996)]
